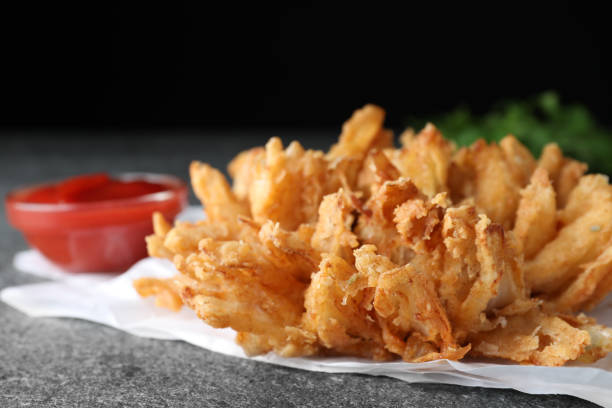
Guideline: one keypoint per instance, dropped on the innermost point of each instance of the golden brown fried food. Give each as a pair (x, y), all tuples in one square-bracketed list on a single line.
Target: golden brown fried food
[(377, 169), (375, 224), (521, 163), (343, 323), (419, 220), (237, 287), (275, 190), (166, 291), (211, 187), (586, 230), (472, 260), (291, 250), (287, 186), (536, 217), (551, 160), (414, 323), (534, 338), (593, 283), (495, 268), (600, 336), (563, 172), (241, 168), (425, 160), (569, 176), (155, 242), (495, 187), (423, 252), (333, 233), (361, 133)]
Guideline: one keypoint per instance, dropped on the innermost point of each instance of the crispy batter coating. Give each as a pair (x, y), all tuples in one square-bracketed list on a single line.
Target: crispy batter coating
[(490, 254), (287, 185), (495, 186), (375, 224), (166, 291), (376, 169), (419, 253), (362, 132), (275, 192), (519, 159), (241, 168), (564, 172), (586, 230), (551, 160), (536, 217), (568, 178), (343, 323), (414, 323), (155, 242), (291, 250), (472, 260), (600, 336), (211, 187), (418, 221), (333, 233), (426, 160), (590, 287), (532, 338)]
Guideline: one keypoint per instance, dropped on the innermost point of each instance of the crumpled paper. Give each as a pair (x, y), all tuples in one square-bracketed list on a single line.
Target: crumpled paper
[(111, 300)]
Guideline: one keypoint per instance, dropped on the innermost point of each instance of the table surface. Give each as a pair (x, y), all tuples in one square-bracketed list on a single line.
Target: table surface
[(69, 362)]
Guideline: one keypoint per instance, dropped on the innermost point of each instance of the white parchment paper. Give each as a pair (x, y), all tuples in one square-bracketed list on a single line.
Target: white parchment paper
[(112, 301)]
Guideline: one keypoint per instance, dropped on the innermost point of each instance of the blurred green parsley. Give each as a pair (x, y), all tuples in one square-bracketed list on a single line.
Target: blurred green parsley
[(535, 122)]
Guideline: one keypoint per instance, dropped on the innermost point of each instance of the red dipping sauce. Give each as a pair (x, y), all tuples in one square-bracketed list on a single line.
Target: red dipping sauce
[(95, 223)]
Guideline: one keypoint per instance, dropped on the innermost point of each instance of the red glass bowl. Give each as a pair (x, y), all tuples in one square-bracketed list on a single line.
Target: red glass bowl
[(105, 236)]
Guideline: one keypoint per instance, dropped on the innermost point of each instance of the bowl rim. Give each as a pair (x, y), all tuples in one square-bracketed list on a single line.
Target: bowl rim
[(176, 187)]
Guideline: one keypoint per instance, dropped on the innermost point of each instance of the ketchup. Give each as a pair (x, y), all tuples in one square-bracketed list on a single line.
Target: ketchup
[(94, 222), (91, 188)]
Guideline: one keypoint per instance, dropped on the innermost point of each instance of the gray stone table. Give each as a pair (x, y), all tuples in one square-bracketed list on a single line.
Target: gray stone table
[(66, 362)]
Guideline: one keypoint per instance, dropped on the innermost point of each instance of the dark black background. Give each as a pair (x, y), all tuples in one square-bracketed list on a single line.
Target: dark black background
[(293, 64)]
